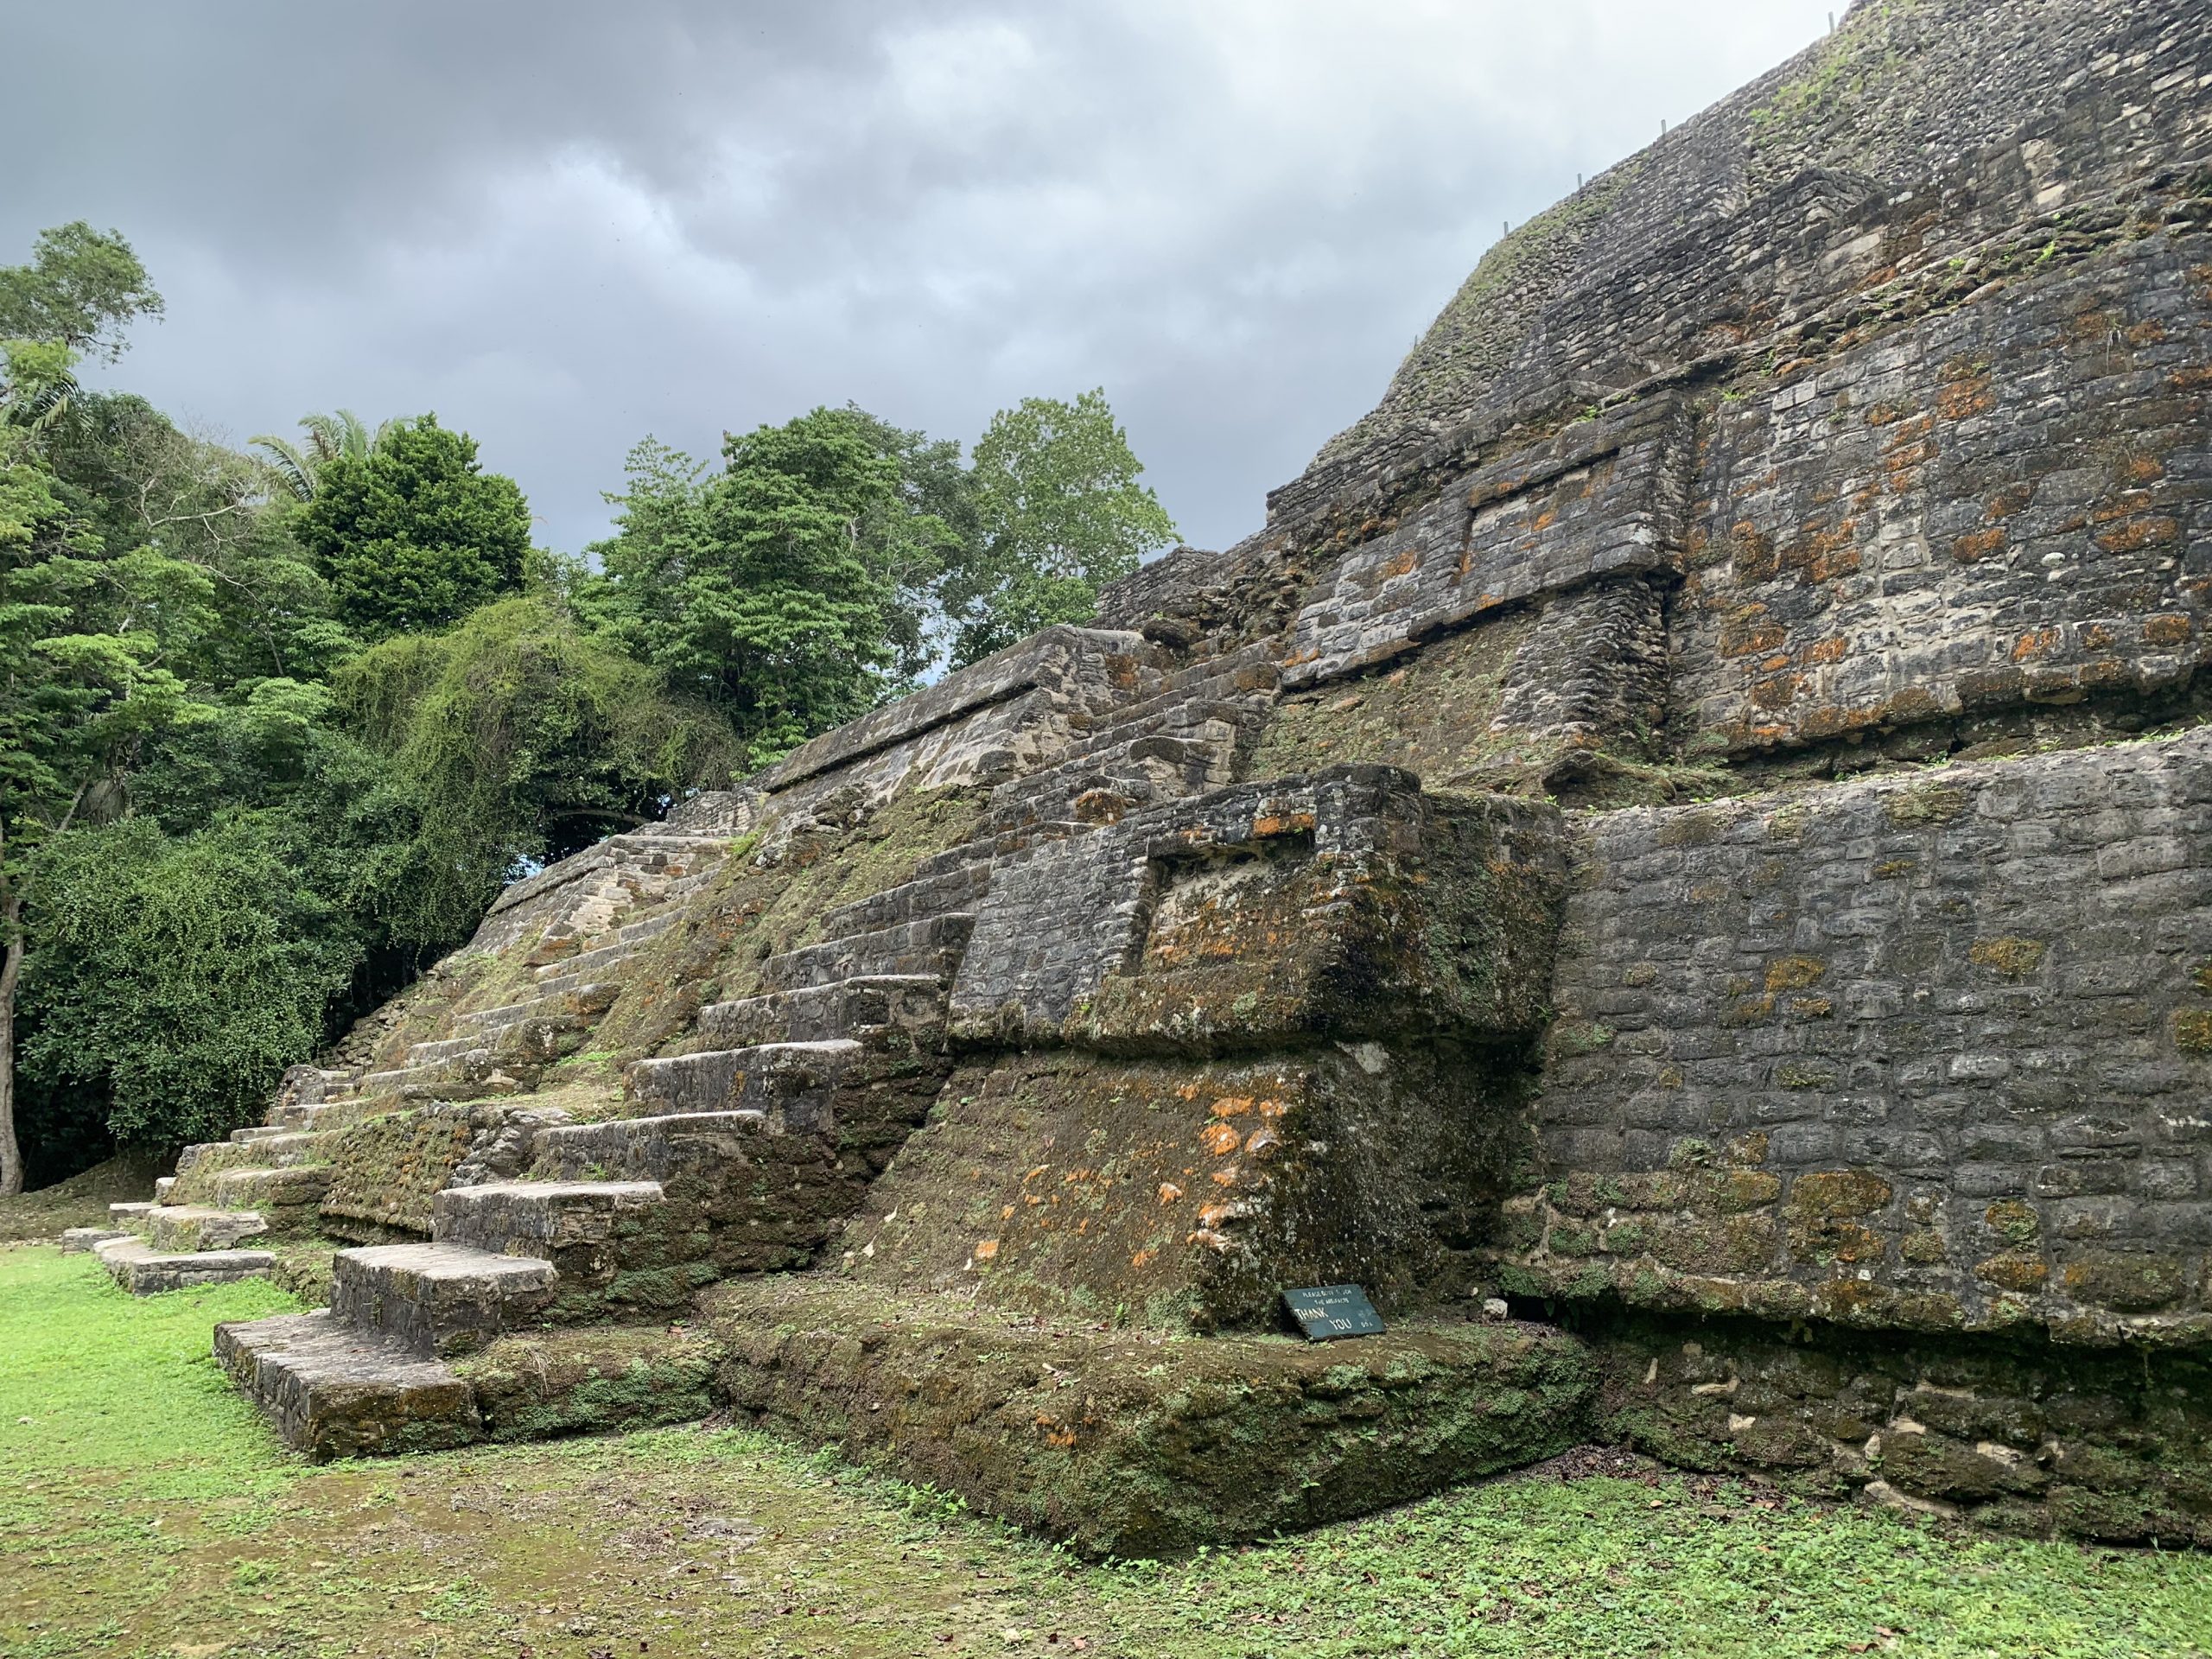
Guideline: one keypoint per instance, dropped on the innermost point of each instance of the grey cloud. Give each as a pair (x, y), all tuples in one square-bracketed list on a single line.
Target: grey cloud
[(562, 226)]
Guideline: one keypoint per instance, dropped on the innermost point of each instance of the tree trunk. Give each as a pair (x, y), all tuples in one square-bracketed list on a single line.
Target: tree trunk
[(12, 910)]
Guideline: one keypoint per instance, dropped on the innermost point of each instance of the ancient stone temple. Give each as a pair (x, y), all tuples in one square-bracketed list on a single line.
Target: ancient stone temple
[(1679, 859)]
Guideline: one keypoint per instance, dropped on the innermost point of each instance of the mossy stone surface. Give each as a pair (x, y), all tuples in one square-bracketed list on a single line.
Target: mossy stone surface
[(1127, 1442)]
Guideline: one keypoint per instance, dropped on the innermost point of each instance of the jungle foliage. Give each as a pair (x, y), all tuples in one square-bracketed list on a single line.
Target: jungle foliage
[(277, 724)]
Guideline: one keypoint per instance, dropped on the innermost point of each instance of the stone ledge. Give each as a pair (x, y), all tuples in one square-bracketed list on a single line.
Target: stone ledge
[(1129, 1444), (334, 1390), (1043, 659), (144, 1271)]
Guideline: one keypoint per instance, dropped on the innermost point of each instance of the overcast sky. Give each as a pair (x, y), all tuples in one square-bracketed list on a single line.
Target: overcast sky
[(563, 226)]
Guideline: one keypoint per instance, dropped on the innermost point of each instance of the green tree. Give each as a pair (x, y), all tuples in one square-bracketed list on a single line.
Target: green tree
[(179, 978), (513, 737), (1058, 513), (82, 289), (88, 637), (299, 466), (781, 590), (415, 534)]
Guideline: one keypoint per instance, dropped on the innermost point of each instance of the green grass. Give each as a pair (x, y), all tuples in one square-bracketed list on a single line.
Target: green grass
[(143, 1511)]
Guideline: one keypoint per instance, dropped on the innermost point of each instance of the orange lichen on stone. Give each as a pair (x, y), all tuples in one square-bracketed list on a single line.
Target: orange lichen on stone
[(1977, 545), (1169, 1192), (2150, 531), (1221, 1138)]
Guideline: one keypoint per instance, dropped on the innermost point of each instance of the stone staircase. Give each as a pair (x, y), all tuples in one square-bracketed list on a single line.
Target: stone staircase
[(371, 1371), (269, 1180)]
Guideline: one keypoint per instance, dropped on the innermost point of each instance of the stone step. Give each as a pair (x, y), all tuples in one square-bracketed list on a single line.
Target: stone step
[(645, 1148), (76, 1241), (443, 1048), (144, 1271), (273, 1189), (857, 1008), (572, 973), (164, 1186), (955, 889), (179, 1227), (471, 1075), (130, 1217), (997, 845), (257, 1132), (302, 1116), (932, 946), (439, 1300), (334, 1390), (283, 1150), (634, 934), (585, 1001), (788, 1084), (545, 1218)]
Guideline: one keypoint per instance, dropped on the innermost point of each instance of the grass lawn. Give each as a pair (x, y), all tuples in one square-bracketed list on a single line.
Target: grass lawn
[(144, 1510)]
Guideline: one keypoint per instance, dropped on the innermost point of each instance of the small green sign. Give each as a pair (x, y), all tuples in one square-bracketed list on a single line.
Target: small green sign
[(1326, 1312)]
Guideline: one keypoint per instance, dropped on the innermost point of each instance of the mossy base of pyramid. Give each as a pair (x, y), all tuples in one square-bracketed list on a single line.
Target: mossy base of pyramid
[(1136, 1443)]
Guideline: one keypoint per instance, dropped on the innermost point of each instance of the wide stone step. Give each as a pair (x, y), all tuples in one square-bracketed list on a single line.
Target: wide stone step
[(538, 1218), (655, 1148), (440, 1300), (77, 1241), (935, 895), (274, 1189), (303, 1116), (469, 1075), (855, 1008), (144, 1271), (648, 928), (932, 946), (571, 973), (282, 1150), (200, 1227), (334, 1390), (258, 1132), (790, 1085), (443, 1048), (583, 1001)]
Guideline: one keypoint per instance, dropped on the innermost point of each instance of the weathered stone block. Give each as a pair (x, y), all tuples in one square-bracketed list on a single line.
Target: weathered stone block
[(1127, 1445)]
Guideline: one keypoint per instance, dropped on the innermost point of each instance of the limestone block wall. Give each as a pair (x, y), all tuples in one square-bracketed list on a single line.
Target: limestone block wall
[(1930, 1053), (1340, 903), (2008, 502)]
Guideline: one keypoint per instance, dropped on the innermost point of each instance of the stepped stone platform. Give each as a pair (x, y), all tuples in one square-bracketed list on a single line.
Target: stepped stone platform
[(1692, 821), (1133, 1443), (144, 1269)]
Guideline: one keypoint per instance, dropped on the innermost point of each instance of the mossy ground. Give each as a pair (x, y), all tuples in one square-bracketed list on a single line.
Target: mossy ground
[(145, 1511), (80, 1201)]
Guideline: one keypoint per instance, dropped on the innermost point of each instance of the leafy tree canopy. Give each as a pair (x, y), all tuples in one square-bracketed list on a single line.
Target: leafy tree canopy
[(515, 737), (1058, 513), (783, 590), (82, 289), (414, 533), (179, 978)]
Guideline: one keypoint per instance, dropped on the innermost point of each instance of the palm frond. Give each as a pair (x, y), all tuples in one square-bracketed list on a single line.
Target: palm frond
[(296, 470)]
